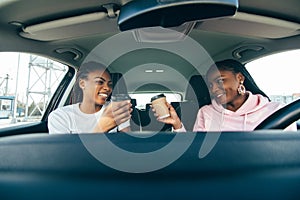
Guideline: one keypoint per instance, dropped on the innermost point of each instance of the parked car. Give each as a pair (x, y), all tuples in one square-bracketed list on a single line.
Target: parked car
[(150, 47)]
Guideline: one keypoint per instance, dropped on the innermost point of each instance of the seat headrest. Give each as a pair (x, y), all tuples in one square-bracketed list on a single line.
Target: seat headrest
[(119, 85), (197, 91)]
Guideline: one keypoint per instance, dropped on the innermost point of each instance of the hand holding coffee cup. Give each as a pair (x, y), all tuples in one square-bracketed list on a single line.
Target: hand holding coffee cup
[(116, 113), (159, 103), (121, 107)]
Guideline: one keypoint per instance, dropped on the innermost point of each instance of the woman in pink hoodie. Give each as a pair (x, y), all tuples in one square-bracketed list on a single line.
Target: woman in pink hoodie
[(237, 102)]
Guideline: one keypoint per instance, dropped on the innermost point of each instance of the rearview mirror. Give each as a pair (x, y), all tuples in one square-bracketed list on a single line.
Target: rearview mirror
[(171, 13)]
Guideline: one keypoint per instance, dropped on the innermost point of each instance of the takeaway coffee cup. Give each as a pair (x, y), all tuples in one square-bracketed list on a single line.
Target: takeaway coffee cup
[(160, 106), (116, 98)]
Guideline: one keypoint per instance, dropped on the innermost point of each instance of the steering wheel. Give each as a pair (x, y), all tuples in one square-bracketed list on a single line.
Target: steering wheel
[(282, 118)]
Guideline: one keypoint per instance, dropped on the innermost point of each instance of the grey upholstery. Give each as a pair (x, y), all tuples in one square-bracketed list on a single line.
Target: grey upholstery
[(197, 95)]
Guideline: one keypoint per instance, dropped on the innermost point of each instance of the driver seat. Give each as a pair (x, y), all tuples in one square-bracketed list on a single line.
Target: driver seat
[(196, 96)]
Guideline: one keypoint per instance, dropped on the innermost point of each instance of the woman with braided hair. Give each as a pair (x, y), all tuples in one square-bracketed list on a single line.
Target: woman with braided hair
[(91, 111), (237, 102)]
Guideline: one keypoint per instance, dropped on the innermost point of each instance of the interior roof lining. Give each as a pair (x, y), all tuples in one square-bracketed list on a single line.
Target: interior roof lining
[(60, 27)]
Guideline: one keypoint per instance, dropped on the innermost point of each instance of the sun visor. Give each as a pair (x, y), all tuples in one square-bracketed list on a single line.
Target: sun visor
[(252, 25), (71, 27)]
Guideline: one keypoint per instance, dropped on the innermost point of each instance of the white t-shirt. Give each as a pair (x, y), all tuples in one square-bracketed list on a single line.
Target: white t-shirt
[(70, 119)]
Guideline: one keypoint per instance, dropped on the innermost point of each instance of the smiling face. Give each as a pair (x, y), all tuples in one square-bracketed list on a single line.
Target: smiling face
[(223, 86), (96, 87)]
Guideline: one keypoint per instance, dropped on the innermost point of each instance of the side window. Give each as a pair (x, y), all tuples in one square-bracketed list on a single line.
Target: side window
[(27, 83), (278, 75)]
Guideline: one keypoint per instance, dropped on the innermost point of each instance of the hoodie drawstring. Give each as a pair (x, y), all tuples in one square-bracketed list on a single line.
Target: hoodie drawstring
[(245, 122), (222, 121)]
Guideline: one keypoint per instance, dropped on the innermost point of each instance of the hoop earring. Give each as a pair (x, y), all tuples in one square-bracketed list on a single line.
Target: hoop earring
[(241, 89)]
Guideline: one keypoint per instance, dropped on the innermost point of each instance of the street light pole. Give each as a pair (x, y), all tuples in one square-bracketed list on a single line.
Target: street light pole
[(14, 118)]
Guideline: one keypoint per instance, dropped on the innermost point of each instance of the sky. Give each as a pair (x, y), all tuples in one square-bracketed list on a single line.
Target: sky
[(277, 74), (9, 65)]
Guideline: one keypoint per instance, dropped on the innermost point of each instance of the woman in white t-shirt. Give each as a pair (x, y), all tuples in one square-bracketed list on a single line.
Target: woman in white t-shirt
[(91, 113)]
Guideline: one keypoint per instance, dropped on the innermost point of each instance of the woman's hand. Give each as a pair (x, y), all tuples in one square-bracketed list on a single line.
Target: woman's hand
[(173, 119), (114, 114)]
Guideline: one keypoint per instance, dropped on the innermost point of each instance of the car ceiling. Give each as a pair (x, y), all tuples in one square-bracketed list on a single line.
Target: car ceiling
[(71, 46)]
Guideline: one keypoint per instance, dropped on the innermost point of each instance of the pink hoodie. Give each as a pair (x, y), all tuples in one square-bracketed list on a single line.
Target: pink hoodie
[(215, 117)]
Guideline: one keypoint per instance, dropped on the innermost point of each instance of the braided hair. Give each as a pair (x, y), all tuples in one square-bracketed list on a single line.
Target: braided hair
[(236, 67), (83, 72)]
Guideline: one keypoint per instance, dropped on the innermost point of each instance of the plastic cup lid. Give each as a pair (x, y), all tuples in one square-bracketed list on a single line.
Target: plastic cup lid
[(120, 97), (157, 97)]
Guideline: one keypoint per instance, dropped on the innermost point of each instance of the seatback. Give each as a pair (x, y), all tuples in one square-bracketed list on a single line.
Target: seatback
[(197, 95), (119, 85)]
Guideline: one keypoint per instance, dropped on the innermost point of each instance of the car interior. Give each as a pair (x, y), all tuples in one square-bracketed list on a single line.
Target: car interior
[(151, 47)]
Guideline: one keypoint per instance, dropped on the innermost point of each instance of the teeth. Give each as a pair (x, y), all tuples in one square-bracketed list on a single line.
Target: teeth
[(219, 95), (104, 95)]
